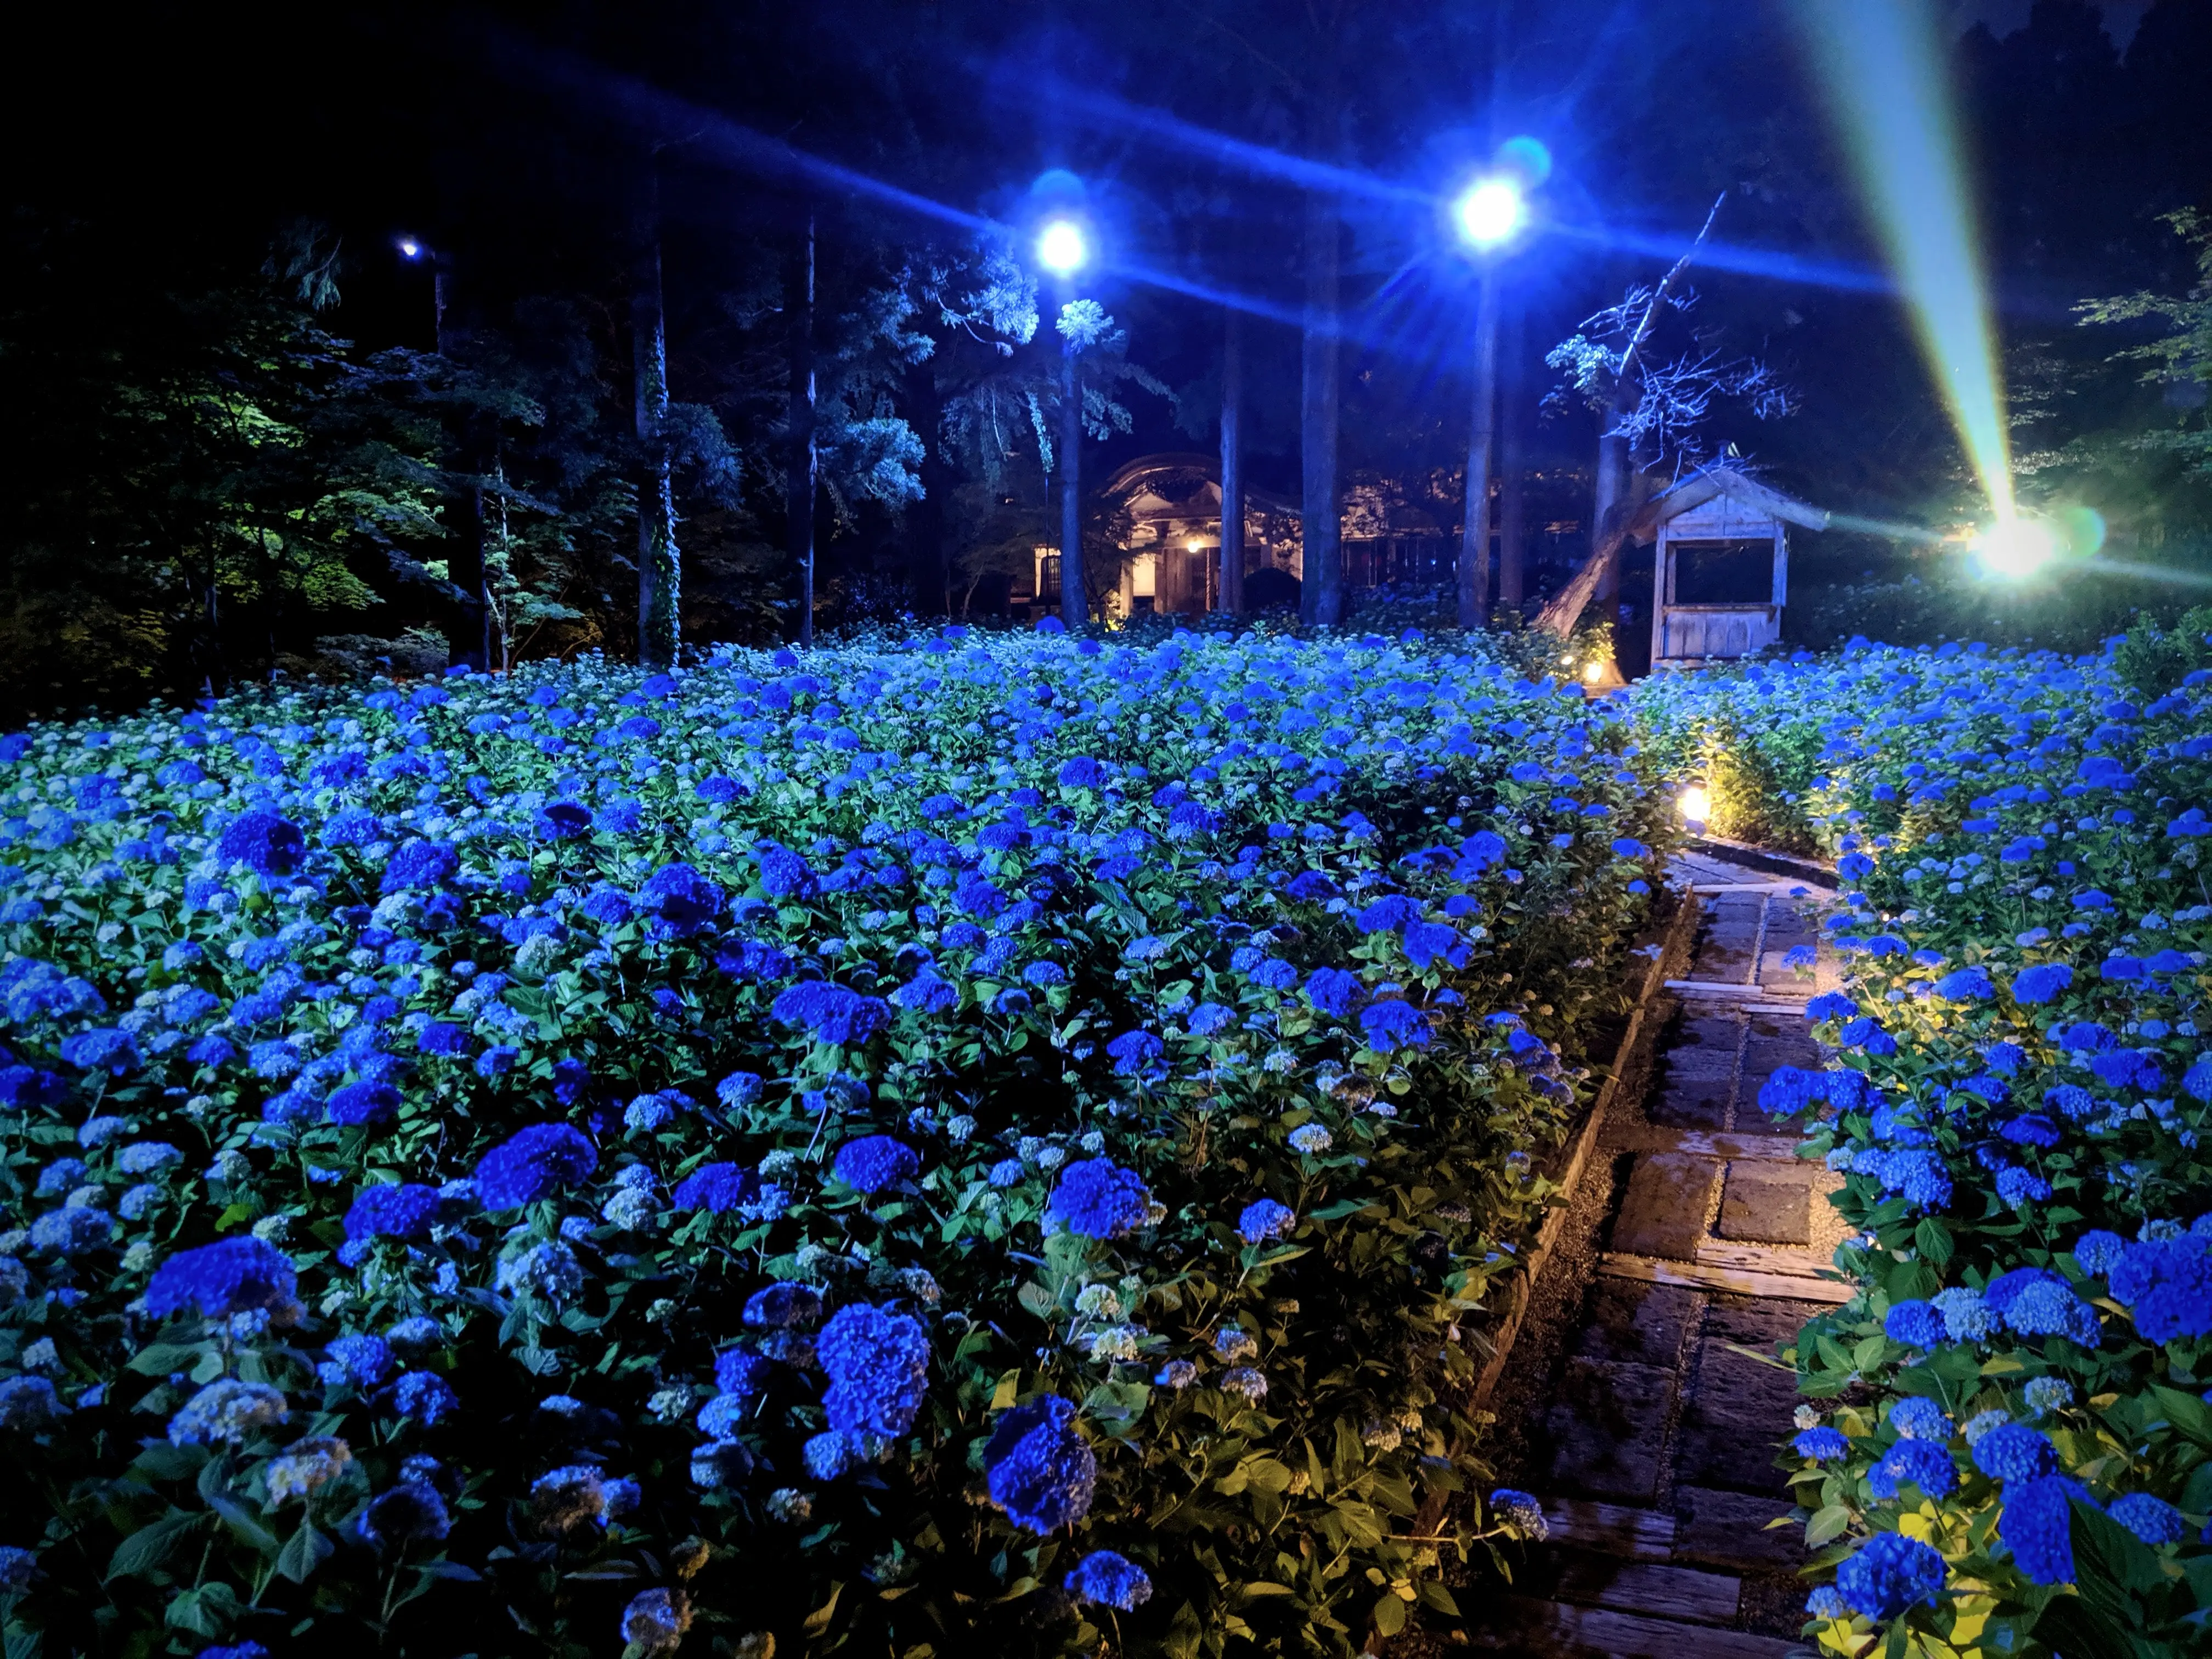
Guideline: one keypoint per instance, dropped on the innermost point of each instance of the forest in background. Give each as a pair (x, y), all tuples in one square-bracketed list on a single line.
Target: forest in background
[(249, 433)]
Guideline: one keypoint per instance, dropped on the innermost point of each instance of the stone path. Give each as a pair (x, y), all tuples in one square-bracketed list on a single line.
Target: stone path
[(1647, 1422)]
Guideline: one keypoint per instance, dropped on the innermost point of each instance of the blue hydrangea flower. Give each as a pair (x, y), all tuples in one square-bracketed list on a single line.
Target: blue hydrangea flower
[(528, 1165), (1921, 1463), (358, 1104), (231, 1276), (1335, 991), (680, 901), (874, 1162), (1889, 1573), (263, 842), (1112, 1580), (424, 1397), (1392, 1024), (2036, 1527), (832, 1014), (715, 1187), (404, 1212), (360, 1359), (2152, 1519), (1823, 1444), (1263, 1219), (1038, 1467), (1917, 1418), (878, 1363), (2041, 982), (411, 1512), (1916, 1324), (2013, 1451), (1099, 1198), (1136, 1053)]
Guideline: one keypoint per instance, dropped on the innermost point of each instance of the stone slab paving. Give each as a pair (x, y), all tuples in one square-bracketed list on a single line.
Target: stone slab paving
[(1655, 1427)]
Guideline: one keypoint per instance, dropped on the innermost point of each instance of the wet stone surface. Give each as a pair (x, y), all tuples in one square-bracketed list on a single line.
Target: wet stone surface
[(1663, 1213), (1767, 1202)]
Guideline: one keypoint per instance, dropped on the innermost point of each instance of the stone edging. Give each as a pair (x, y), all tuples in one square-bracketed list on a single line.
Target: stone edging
[(1674, 945), (1762, 857)]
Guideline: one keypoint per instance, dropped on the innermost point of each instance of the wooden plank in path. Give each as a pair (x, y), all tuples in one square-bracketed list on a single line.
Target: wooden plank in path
[(1731, 1281)]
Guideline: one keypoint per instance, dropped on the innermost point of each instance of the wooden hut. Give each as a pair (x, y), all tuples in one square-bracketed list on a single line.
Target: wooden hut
[(1721, 564)]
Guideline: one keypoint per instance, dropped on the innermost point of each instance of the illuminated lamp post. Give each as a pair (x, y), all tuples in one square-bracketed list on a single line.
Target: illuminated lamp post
[(1063, 249), (1487, 215)]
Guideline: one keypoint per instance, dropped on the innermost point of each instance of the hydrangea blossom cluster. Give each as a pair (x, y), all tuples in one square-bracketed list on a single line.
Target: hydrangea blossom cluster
[(494, 1078), (2018, 1101)]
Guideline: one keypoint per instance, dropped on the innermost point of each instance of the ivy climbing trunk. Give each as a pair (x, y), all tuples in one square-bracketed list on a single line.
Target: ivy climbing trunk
[(799, 483), (1229, 594), (1321, 595), (660, 566)]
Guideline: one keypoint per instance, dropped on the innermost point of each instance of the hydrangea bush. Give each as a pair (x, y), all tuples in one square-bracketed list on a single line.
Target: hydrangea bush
[(2013, 1453), (948, 1146)]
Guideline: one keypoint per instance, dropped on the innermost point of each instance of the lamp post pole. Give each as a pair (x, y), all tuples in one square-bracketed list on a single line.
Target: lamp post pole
[(1074, 601), (1474, 608)]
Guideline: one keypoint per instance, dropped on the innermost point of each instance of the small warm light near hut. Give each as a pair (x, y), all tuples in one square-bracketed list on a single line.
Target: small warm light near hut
[(1196, 544), (1592, 671), (1694, 803)]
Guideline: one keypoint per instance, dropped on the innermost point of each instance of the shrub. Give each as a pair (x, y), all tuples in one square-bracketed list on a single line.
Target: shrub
[(2018, 1108), (778, 1147)]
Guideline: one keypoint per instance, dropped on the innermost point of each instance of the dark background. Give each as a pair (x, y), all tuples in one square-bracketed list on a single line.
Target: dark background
[(156, 157)]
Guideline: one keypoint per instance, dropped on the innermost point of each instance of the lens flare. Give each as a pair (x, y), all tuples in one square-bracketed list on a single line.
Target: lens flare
[(1880, 64), (1490, 211), (1062, 248), (2016, 548)]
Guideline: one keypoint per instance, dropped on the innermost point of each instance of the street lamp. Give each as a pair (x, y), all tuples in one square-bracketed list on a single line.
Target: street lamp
[(2015, 547), (1490, 211), (1063, 248), (1488, 214)]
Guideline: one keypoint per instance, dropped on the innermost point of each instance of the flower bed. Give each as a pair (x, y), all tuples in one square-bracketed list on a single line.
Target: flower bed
[(2013, 1449), (956, 1146)]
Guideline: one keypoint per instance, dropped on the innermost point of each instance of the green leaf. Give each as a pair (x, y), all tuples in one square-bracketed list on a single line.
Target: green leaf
[(1932, 1240), (149, 1547), (304, 1550), (1390, 1613), (1829, 1524), (2185, 1411)]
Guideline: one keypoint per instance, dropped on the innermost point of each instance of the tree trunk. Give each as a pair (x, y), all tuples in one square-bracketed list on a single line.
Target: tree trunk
[(1621, 487), (468, 632), (927, 569), (1230, 595), (660, 566), (1473, 609), (799, 479), (1075, 600), (1321, 594), (1512, 466)]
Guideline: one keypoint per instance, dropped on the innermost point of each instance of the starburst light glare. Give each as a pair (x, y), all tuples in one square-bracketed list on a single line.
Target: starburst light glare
[(1490, 211), (2016, 547), (1880, 64), (1062, 248)]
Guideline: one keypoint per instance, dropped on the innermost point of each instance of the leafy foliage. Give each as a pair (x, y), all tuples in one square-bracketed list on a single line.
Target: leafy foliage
[(714, 1150), (2018, 1110)]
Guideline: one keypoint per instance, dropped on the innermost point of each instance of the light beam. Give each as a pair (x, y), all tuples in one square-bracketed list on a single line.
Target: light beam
[(1880, 64)]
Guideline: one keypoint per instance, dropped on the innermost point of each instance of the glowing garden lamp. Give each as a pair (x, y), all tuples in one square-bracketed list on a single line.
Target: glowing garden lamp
[(1490, 212), (1062, 248), (2016, 548), (1695, 803)]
